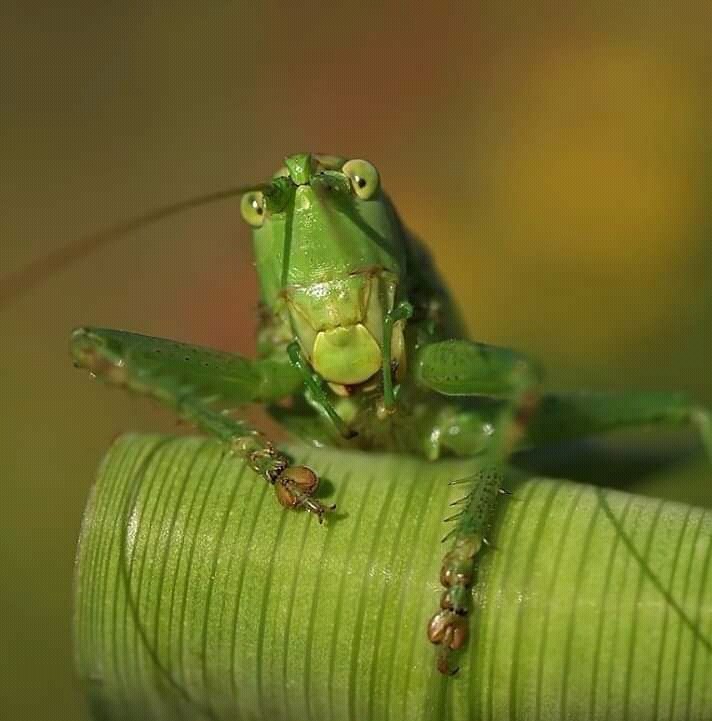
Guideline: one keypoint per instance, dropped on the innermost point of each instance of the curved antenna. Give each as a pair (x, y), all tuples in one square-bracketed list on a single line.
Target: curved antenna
[(17, 284)]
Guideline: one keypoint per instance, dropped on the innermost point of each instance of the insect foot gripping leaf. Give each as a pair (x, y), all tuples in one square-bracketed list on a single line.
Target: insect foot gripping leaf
[(295, 486), (448, 628), (196, 597)]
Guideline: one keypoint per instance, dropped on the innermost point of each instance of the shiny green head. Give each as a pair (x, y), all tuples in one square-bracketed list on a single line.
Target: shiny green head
[(330, 256)]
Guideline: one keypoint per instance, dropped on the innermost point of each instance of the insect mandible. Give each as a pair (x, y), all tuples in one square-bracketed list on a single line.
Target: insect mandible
[(358, 330)]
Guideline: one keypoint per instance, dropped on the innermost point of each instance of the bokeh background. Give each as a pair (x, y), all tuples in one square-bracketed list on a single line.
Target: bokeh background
[(556, 157)]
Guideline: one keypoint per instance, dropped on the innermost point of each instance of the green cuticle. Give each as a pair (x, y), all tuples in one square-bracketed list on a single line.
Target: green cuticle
[(300, 168)]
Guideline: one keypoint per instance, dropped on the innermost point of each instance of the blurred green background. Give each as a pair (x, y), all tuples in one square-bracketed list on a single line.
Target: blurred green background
[(557, 159)]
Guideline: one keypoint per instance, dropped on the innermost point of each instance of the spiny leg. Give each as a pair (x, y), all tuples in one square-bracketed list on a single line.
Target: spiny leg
[(464, 368), (448, 628), (456, 367), (188, 378)]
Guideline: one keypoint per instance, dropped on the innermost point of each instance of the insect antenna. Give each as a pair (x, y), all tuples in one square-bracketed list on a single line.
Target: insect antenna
[(19, 283)]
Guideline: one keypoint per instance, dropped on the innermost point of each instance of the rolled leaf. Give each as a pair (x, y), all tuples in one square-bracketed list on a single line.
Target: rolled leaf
[(199, 597)]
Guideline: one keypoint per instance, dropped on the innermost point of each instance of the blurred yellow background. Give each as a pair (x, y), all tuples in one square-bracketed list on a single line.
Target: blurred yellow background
[(557, 160)]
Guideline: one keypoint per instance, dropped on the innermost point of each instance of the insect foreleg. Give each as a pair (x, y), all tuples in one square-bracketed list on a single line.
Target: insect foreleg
[(188, 379), (464, 368), (226, 377)]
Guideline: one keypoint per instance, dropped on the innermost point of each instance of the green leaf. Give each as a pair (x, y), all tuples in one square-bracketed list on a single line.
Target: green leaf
[(198, 596)]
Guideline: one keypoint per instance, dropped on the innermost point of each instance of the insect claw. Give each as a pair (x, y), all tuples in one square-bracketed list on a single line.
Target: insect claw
[(504, 492), (449, 632), (318, 509)]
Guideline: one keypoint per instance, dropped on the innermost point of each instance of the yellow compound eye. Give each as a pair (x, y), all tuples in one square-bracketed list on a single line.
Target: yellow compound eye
[(252, 207), (363, 177)]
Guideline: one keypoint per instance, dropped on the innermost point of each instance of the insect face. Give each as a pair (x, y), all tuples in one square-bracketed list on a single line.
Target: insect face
[(330, 260)]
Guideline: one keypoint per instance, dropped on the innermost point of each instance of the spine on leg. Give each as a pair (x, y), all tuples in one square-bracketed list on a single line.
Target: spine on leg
[(448, 627)]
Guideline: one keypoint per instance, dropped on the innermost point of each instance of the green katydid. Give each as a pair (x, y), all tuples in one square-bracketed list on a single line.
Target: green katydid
[(359, 332)]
